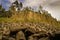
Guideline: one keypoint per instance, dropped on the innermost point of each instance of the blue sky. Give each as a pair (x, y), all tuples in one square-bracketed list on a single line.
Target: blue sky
[(52, 6)]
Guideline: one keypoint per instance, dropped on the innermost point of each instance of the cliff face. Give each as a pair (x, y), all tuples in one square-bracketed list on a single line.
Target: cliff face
[(31, 16), (27, 31), (28, 25)]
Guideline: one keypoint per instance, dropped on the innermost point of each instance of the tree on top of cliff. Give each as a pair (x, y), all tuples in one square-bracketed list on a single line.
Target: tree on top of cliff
[(17, 5)]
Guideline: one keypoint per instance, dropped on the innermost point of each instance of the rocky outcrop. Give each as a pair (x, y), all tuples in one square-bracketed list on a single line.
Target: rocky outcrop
[(27, 31)]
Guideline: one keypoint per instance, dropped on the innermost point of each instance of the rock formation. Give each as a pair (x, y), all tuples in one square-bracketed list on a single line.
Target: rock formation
[(27, 31)]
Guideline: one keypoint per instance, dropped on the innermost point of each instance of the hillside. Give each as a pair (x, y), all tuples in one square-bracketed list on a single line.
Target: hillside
[(31, 16), (27, 15), (27, 24)]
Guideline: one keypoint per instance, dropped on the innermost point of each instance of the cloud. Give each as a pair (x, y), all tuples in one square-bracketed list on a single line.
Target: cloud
[(53, 6), (33, 2), (52, 2), (57, 3)]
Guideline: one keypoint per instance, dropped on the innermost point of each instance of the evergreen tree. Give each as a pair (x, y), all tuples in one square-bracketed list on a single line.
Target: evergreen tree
[(12, 10), (0, 7), (17, 5), (40, 9), (27, 8), (2, 11)]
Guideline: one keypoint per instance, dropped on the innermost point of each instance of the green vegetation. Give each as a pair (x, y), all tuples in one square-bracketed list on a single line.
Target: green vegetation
[(27, 15)]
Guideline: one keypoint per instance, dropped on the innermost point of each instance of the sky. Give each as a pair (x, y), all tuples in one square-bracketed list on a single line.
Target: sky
[(52, 6)]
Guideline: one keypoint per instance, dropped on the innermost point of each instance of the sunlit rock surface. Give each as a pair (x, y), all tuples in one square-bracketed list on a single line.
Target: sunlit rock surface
[(27, 31)]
